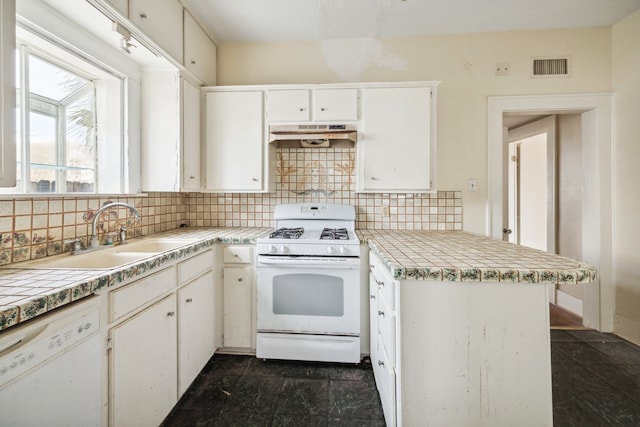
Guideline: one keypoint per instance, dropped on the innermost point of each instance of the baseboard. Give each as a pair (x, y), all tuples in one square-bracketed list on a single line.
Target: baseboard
[(569, 302), (626, 328)]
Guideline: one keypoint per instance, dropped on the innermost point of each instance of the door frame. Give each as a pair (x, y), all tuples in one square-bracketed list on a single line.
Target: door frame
[(597, 205)]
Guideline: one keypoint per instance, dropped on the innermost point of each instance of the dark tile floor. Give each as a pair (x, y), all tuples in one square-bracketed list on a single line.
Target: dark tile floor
[(596, 382)]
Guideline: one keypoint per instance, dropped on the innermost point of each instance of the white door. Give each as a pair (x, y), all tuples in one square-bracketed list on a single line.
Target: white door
[(190, 137)]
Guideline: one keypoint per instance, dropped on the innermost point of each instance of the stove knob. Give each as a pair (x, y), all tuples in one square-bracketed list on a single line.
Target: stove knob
[(343, 250), (331, 250), (273, 249), (284, 249)]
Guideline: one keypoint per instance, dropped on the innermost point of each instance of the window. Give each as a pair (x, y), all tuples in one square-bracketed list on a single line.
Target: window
[(69, 120), (57, 148)]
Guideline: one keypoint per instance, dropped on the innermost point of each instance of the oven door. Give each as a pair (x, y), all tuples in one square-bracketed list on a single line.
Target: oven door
[(307, 295)]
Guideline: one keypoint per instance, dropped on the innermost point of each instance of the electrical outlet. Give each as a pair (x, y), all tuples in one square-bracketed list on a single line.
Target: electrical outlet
[(385, 211), (503, 69)]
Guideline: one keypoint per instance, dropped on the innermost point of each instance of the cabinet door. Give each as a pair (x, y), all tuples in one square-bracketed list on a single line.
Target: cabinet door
[(161, 21), (395, 153), (143, 386), (238, 306), (288, 105), (7, 94), (199, 51), (335, 104), (234, 141), (196, 328), (190, 137)]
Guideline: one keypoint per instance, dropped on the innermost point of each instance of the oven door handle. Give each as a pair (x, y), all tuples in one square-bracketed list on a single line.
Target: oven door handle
[(315, 262)]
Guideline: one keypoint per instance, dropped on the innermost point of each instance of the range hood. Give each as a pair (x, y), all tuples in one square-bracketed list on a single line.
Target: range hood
[(312, 135)]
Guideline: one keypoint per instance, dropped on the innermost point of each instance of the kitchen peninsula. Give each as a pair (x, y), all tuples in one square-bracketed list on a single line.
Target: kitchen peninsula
[(459, 323), (460, 327)]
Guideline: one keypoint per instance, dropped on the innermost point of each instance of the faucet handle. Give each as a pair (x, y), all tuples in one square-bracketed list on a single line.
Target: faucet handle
[(77, 245)]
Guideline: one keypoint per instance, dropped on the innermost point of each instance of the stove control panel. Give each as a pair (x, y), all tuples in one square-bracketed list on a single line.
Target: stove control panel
[(342, 250)]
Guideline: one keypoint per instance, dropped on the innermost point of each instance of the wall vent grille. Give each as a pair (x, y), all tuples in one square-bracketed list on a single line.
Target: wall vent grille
[(550, 67)]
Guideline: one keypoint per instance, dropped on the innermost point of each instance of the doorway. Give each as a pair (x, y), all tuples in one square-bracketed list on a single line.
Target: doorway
[(594, 111)]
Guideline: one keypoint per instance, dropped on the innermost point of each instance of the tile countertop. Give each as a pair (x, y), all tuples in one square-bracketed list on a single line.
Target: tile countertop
[(27, 293), (460, 256)]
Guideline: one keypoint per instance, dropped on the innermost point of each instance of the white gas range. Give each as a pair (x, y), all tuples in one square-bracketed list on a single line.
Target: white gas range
[(308, 281)]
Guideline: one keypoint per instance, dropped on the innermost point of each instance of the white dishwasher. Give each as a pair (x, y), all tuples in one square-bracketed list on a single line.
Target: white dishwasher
[(51, 369)]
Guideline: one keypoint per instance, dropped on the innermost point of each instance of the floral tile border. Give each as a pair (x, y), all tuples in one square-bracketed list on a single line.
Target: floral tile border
[(545, 269), (29, 308)]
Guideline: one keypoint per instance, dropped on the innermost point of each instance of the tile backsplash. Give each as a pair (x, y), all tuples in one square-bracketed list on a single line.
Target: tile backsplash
[(41, 226)]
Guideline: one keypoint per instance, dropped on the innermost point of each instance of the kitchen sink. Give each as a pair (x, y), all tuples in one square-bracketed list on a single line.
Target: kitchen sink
[(106, 258), (151, 245), (98, 260)]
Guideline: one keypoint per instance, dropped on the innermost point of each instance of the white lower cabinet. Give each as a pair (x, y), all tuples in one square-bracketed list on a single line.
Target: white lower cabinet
[(239, 328), (196, 328), (161, 335), (142, 382), (382, 334)]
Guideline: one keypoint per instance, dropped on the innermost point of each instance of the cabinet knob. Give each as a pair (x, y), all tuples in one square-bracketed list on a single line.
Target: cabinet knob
[(373, 178), (193, 62), (323, 109), (371, 266), (143, 15), (189, 300), (236, 256), (380, 283), (380, 313), (239, 279), (380, 363), (301, 109), (192, 177), (254, 179), (171, 314), (372, 296)]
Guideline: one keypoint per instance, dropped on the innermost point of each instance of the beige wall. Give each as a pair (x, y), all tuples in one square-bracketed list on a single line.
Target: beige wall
[(626, 84), (465, 65)]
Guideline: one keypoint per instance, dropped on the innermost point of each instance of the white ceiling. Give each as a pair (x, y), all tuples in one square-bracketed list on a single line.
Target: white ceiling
[(286, 20)]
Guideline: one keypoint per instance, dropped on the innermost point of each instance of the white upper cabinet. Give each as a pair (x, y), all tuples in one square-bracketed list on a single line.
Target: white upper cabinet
[(397, 148), (288, 105), (335, 104), (302, 105), (170, 133), (161, 21), (199, 51), (235, 142), (7, 94)]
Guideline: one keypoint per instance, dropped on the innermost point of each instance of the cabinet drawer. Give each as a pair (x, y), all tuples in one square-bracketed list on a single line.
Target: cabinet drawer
[(237, 255), (193, 267), (387, 328), (386, 382), (140, 292), (386, 284)]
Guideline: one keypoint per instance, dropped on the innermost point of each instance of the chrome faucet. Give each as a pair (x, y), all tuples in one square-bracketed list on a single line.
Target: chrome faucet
[(94, 242)]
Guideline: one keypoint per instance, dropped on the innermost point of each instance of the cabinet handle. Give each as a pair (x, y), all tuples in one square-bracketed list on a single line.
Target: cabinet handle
[(379, 283), (143, 15), (239, 279), (380, 313), (301, 109), (254, 179), (372, 296), (372, 267), (193, 62), (322, 109), (171, 314), (380, 363), (373, 178), (189, 300)]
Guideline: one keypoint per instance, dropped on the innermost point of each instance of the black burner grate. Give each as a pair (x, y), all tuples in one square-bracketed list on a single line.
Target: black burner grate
[(287, 233), (334, 234)]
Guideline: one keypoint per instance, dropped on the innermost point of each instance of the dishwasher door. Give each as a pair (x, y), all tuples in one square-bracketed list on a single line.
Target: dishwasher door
[(51, 369)]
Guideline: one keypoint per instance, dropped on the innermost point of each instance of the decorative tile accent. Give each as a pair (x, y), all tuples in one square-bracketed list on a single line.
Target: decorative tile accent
[(460, 256)]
